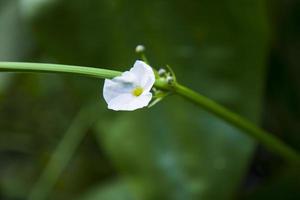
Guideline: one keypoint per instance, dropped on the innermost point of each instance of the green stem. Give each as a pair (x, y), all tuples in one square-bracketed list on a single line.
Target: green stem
[(57, 68), (265, 138), (269, 141), (64, 152), (65, 69)]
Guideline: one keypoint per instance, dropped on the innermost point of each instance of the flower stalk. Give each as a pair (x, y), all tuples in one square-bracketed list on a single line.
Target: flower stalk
[(271, 142), (57, 68)]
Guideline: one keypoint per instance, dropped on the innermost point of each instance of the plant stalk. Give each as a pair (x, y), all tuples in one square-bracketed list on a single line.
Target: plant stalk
[(269, 141), (57, 68), (64, 152)]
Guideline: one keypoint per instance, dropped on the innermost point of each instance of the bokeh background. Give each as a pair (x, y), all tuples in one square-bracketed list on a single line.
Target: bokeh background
[(59, 141)]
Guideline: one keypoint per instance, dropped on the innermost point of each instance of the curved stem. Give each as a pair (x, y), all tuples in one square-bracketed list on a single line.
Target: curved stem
[(271, 142), (57, 68), (66, 69), (64, 152)]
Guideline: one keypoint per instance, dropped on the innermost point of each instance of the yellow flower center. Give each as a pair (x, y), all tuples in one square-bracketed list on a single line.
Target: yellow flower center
[(137, 91)]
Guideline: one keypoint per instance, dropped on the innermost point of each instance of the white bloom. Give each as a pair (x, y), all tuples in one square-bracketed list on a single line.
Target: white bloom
[(131, 90)]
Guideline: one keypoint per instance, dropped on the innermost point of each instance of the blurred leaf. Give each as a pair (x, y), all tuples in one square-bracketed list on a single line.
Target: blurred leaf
[(174, 150), (15, 44), (64, 152), (283, 187), (13, 38), (117, 190)]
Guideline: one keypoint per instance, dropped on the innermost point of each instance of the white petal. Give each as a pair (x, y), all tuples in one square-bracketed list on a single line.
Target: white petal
[(119, 85), (128, 102), (118, 91), (144, 75), (127, 77)]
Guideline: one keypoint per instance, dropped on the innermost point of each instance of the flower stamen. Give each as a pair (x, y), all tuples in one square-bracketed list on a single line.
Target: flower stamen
[(137, 91)]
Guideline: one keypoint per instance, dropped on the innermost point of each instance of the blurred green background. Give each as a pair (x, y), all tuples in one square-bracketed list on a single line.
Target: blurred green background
[(59, 141)]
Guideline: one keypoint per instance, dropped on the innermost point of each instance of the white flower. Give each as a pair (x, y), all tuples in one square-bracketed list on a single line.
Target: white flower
[(131, 90)]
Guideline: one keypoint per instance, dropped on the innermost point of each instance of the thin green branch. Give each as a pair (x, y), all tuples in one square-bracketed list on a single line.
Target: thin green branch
[(64, 152), (65, 69), (271, 142), (57, 68)]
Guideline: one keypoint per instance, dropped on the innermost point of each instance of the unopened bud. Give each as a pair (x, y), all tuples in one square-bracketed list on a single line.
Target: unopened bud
[(161, 71), (140, 48), (170, 79)]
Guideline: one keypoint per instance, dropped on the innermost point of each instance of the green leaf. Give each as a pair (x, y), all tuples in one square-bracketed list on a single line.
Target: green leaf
[(174, 150), (14, 40), (116, 190)]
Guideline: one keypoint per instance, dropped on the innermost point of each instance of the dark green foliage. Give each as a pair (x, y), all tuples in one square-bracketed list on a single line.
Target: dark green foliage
[(172, 151)]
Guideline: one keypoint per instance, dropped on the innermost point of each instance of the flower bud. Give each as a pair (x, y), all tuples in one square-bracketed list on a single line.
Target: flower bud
[(161, 71), (170, 79), (140, 48)]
